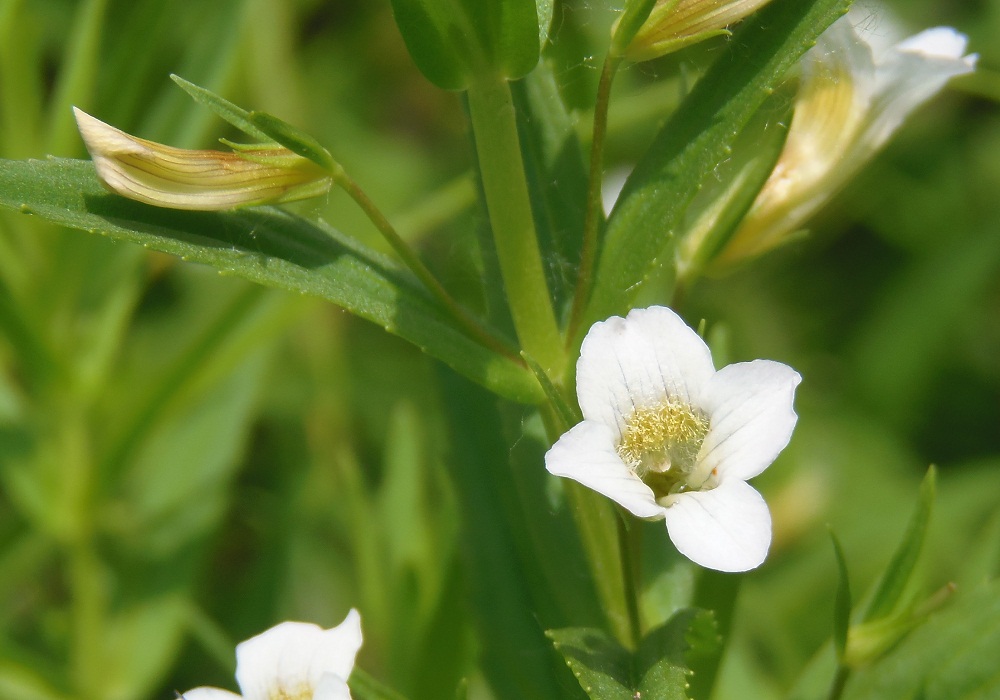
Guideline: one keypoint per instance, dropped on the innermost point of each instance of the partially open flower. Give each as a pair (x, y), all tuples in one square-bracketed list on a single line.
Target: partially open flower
[(204, 180), (852, 98), (667, 436), (674, 24), (293, 661)]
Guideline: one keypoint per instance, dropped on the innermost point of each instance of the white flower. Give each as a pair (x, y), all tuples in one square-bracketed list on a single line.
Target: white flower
[(854, 93), (293, 661), (667, 436)]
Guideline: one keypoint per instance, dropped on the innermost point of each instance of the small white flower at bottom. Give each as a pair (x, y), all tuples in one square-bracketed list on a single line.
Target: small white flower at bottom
[(293, 661), (667, 436)]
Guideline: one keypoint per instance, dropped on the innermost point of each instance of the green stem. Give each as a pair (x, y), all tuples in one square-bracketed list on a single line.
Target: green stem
[(630, 539), (588, 252), (498, 147), (595, 520), (839, 683), (469, 323), (88, 607)]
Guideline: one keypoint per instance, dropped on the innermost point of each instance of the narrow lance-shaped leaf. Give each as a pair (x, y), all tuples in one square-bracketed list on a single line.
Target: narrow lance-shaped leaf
[(842, 600), (270, 247), (897, 575)]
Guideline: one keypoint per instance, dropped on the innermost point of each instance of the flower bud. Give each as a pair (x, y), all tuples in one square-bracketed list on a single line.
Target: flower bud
[(202, 180), (674, 24)]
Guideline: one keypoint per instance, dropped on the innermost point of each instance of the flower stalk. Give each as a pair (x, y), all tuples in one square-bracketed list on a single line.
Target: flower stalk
[(498, 147)]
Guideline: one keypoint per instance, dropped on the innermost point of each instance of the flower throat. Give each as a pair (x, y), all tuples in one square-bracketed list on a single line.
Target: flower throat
[(661, 444)]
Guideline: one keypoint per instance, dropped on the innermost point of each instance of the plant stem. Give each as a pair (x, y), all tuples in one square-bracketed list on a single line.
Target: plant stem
[(491, 110), (588, 252), (630, 539), (469, 323), (839, 683), (595, 521)]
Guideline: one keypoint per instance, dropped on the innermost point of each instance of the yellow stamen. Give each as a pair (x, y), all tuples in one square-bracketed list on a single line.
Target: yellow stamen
[(661, 443)]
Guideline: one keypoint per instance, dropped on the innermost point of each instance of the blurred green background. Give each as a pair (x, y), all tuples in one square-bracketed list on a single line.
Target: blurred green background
[(186, 459)]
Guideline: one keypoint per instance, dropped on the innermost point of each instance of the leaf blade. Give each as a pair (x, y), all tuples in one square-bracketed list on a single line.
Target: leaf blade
[(270, 247)]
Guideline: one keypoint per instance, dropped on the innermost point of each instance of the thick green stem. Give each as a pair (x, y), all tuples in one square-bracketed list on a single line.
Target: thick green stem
[(492, 113), (468, 322), (588, 252)]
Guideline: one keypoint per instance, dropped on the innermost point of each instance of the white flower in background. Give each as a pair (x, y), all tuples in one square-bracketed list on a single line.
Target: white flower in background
[(854, 93), (201, 180), (293, 661), (667, 436)]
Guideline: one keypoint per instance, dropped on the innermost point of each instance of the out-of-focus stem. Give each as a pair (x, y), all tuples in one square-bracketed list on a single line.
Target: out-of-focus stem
[(470, 324), (491, 110), (588, 251)]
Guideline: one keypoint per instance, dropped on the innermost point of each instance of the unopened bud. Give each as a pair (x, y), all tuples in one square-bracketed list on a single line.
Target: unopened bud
[(202, 180)]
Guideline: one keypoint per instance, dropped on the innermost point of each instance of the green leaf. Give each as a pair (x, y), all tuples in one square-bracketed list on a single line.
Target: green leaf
[(364, 687), (270, 247), (657, 671), (663, 669), (455, 41), (699, 136), (952, 656), (889, 592), (293, 139), (556, 174), (226, 110), (842, 600), (603, 667)]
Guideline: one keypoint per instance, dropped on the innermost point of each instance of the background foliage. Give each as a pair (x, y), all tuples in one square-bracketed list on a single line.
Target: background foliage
[(186, 458)]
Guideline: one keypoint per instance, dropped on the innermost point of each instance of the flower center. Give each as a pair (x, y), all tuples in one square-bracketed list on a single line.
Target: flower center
[(304, 691), (661, 444)]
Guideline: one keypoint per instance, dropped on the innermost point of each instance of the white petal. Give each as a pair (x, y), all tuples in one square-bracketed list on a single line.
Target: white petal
[(204, 693), (727, 528), (638, 361), (294, 656), (909, 74), (749, 405), (586, 454), (332, 687)]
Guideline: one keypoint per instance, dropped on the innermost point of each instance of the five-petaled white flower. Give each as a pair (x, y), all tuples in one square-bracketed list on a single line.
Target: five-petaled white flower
[(293, 661), (667, 436)]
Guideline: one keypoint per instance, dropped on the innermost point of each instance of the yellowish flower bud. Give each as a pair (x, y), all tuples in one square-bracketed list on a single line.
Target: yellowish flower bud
[(852, 97), (202, 180), (674, 24)]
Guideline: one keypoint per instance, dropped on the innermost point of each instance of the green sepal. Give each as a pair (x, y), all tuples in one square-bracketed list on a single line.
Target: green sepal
[(454, 41), (634, 14), (294, 139), (223, 108)]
